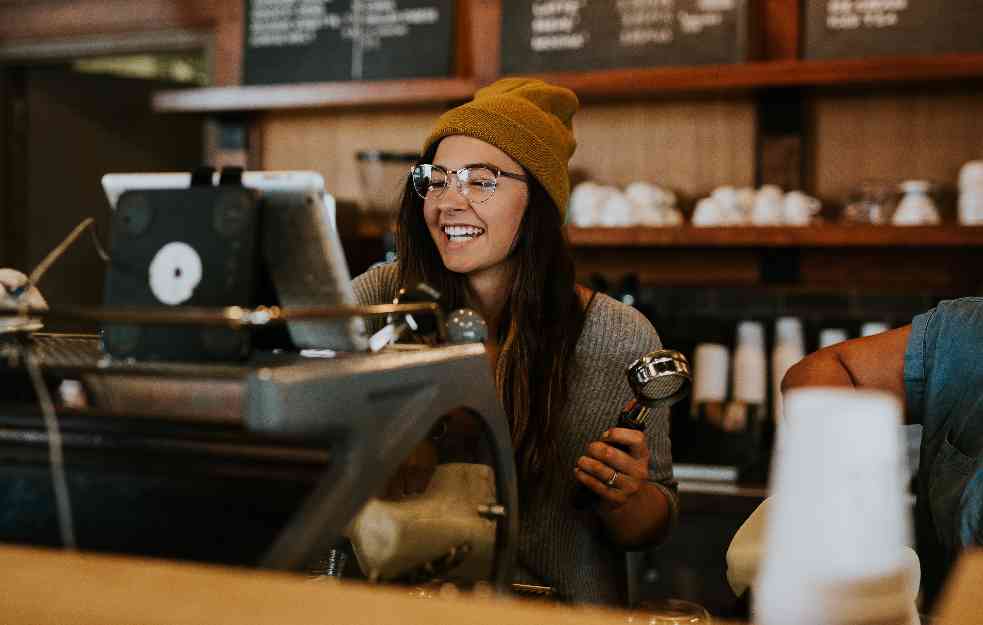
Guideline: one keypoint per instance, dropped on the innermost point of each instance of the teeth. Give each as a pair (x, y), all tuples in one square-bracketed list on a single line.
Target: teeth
[(463, 232)]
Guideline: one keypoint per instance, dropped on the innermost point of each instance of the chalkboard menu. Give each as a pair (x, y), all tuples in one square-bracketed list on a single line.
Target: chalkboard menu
[(290, 41), (573, 35), (858, 28)]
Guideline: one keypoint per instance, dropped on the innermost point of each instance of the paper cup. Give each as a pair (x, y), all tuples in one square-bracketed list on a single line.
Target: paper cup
[(838, 527)]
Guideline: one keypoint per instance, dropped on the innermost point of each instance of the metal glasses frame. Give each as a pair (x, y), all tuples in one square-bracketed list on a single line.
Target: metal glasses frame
[(460, 185)]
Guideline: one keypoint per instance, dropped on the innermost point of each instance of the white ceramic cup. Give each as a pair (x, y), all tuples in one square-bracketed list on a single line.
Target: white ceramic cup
[(707, 213), (769, 207), (916, 207), (800, 209)]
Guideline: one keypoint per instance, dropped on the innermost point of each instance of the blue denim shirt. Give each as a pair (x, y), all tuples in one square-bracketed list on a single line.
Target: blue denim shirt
[(943, 375)]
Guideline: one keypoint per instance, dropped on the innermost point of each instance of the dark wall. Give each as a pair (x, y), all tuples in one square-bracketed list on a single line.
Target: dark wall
[(76, 128)]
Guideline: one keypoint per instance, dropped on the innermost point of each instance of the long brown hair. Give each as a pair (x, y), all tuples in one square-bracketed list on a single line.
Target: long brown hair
[(541, 321)]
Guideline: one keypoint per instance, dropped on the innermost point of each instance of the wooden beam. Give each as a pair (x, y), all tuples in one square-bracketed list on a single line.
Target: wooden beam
[(479, 39), (230, 41), (781, 26), (50, 19)]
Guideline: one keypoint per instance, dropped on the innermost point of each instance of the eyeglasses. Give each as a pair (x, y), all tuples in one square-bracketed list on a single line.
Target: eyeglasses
[(475, 182)]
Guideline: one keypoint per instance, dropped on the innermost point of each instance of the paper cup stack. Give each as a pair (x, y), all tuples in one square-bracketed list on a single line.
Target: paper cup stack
[(971, 194), (835, 544)]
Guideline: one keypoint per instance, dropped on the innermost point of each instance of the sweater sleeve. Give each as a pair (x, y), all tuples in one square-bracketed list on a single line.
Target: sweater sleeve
[(618, 336), (378, 285)]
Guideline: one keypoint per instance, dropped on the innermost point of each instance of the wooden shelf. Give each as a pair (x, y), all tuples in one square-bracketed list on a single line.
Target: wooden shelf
[(592, 85), (754, 236), (314, 95), (757, 75)]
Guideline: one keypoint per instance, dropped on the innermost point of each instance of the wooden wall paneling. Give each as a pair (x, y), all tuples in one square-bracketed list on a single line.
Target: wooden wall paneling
[(671, 266), (479, 27), (230, 37), (328, 143), (780, 29), (688, 145), (893, 135), (254, 147)]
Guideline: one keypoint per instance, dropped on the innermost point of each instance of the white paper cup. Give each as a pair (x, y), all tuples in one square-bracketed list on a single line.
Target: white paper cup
[(838, 524), (711, 366), (750, 364), (831, 336), (873, 327)]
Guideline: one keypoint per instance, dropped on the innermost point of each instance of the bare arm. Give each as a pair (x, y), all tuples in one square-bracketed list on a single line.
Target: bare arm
[(875, 362)]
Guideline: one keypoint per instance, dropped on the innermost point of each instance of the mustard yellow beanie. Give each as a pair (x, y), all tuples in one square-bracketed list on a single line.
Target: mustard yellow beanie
[(529, 120)]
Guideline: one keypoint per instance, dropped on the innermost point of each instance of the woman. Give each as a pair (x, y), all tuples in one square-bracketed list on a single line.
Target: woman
[(481, 221)]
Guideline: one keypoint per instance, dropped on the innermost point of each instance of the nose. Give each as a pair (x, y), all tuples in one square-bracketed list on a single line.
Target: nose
[(458, 184), (454, 198)]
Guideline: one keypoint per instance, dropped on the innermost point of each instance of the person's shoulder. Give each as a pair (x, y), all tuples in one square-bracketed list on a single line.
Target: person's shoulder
[(965, 309), (611, 325), (955, 321), (378, 284)]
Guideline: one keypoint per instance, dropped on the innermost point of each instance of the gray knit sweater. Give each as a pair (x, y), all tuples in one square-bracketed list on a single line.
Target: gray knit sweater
[(558, 545)]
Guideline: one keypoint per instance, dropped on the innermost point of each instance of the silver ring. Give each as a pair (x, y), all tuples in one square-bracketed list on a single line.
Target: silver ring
[(614, 476)]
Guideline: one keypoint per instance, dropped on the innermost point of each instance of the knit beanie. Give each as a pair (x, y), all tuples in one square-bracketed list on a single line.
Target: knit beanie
[(529, 120)]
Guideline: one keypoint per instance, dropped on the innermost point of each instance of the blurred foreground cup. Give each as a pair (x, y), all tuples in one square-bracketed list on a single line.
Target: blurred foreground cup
[(835, 543)]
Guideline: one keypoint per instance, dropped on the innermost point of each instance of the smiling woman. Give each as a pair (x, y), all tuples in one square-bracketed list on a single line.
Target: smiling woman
[(481, 221)]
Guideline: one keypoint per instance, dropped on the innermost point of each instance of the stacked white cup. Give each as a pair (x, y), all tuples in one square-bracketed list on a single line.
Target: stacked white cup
[(831, 336), (971, 194), (789, 349), (871, 328), (750, 371), (835, 543), (711, 362)]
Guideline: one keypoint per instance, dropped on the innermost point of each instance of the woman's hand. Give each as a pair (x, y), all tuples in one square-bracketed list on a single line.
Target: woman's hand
[(635, 510), (616, 474), (11, 281)]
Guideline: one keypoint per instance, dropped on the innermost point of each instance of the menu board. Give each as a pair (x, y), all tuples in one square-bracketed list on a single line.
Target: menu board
[(858, 28), (573, 35), (290, 41)]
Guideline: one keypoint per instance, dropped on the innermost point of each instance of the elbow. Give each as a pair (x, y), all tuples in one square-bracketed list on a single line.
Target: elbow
[(823, 368), (797, 375)]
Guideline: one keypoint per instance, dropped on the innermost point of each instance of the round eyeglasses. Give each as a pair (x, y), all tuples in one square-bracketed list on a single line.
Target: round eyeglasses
[(477, 183)]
